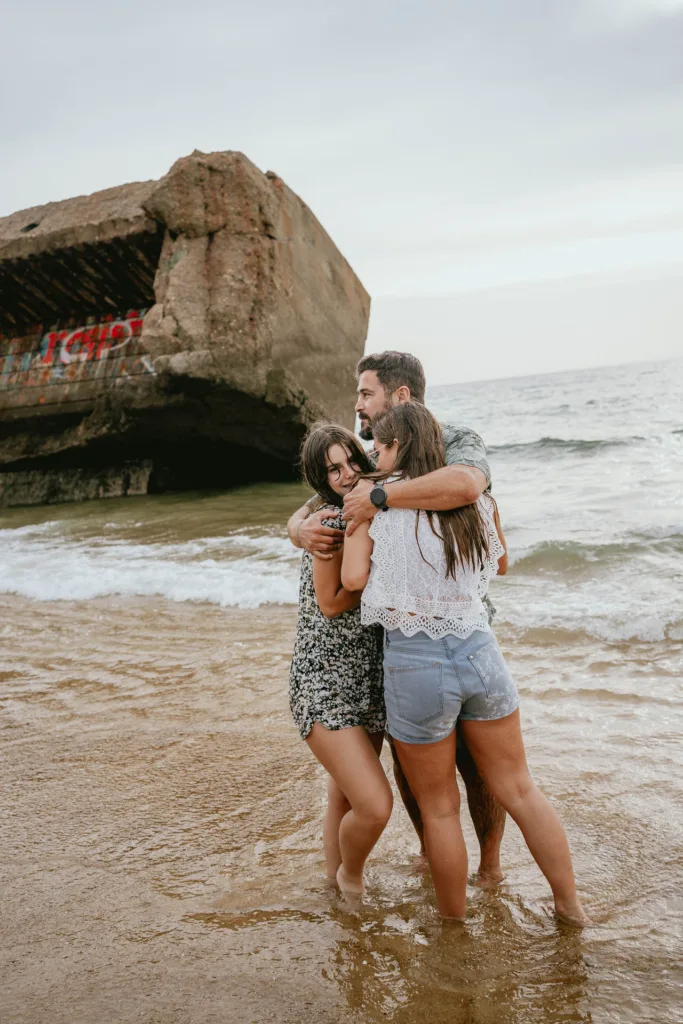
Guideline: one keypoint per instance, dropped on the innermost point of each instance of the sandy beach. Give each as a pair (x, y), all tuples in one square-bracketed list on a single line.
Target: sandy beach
[(163, 854)]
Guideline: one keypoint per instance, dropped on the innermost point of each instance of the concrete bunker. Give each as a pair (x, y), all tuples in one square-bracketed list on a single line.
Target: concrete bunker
[(172, 334)]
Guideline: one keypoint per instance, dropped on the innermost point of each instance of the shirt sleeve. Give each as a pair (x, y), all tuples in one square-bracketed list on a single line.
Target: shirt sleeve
[(465, 448)]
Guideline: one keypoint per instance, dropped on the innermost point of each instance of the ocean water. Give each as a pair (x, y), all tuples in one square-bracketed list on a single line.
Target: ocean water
[(587, 470), (161, 828)]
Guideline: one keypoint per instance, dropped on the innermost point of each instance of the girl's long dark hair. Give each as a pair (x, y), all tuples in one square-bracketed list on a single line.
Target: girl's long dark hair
[(314, 449), (421, 450)]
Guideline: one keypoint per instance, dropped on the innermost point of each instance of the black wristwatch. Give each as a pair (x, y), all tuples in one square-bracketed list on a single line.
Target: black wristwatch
[(378, 497)]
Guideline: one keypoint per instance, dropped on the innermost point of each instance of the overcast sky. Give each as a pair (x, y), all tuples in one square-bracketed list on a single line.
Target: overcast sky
[(505, 176)]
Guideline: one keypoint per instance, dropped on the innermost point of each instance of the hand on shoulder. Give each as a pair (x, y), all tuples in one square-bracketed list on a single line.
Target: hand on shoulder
[(316, 537)]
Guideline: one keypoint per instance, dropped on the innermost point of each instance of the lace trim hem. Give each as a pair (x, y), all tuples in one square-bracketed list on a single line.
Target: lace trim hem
[(435, 629)]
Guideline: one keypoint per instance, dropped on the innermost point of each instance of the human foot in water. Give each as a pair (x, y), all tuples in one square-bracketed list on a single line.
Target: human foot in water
[(487, 879), (349, 884), (571, 912)]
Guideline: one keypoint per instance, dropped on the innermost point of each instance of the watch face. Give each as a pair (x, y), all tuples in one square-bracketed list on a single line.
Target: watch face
[(378, 496)]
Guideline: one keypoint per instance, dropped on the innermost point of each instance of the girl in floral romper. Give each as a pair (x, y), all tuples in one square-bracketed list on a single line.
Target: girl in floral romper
[(336, 688)]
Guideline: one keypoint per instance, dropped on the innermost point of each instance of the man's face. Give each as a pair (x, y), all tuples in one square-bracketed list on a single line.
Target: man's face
[(372, 402)]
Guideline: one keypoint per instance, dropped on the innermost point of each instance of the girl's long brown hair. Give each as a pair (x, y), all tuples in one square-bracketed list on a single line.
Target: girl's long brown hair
[(314, 449), (421, 450)]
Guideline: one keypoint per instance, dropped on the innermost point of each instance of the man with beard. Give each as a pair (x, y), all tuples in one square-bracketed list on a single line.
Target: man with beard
[(384, 380)]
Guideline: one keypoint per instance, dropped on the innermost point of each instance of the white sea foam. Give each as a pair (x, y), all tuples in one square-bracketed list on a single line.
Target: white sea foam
[(605, 608), (253, 570), (246, 570), (9, 535)]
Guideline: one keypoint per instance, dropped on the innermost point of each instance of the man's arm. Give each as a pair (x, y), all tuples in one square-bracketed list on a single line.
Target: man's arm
[(503, 560), (450, 487), (305, 530), (445, 488), (459, 483), (294, 524)]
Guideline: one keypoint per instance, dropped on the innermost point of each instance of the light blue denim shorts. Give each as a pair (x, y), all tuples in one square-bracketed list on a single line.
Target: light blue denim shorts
[(430, 684)]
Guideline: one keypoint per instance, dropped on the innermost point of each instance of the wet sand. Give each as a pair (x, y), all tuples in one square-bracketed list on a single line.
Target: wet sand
[(161, 849)]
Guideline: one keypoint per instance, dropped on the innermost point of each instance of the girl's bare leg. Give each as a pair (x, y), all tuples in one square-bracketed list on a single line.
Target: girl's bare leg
[(351, 758), (337, 807), (498, 749), (430, 771)]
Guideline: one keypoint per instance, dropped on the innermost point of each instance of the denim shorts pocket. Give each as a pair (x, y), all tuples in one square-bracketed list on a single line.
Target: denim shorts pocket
[(491, 667), (417, 690)]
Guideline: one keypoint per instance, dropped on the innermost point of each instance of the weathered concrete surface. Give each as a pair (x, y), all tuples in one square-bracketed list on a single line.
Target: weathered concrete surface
[(51, 486), (196, 325)]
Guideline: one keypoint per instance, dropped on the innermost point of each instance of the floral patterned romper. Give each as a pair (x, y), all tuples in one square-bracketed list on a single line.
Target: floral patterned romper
[(337, 675)]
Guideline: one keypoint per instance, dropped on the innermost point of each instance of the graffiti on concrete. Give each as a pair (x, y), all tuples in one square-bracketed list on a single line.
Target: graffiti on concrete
[(70, 353)]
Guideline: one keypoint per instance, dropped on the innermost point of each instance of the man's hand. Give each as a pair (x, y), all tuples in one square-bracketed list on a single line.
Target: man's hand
[(357, 506), (321, 541)]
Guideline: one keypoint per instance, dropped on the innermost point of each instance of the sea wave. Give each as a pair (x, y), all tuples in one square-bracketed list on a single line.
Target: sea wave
[(614, 601), (599, 694), (563, 556), (579, 446), (560, 625), (33, 530), (615, 608), (252, 570)]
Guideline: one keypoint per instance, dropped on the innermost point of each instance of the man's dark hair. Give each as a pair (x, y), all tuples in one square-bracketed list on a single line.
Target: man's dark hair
[(396, 370)]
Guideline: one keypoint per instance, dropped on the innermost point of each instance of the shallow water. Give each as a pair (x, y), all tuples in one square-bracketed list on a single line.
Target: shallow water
[(160, 832)]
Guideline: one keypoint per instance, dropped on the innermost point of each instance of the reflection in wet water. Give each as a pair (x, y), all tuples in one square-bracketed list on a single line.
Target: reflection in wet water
[(161, 837)]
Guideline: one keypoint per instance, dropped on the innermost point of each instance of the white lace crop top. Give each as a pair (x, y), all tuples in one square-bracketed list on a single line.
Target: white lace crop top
[(410, 592)]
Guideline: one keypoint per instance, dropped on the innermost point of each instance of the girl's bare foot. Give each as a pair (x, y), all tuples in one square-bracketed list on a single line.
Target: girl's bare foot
[(353, 886), (572, 913)]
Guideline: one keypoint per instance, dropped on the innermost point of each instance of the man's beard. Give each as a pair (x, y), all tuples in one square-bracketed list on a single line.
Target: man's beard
[(365, 431)]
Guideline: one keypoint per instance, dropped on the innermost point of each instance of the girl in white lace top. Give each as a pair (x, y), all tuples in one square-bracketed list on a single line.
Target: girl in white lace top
[(409, 588), (424, 576)]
